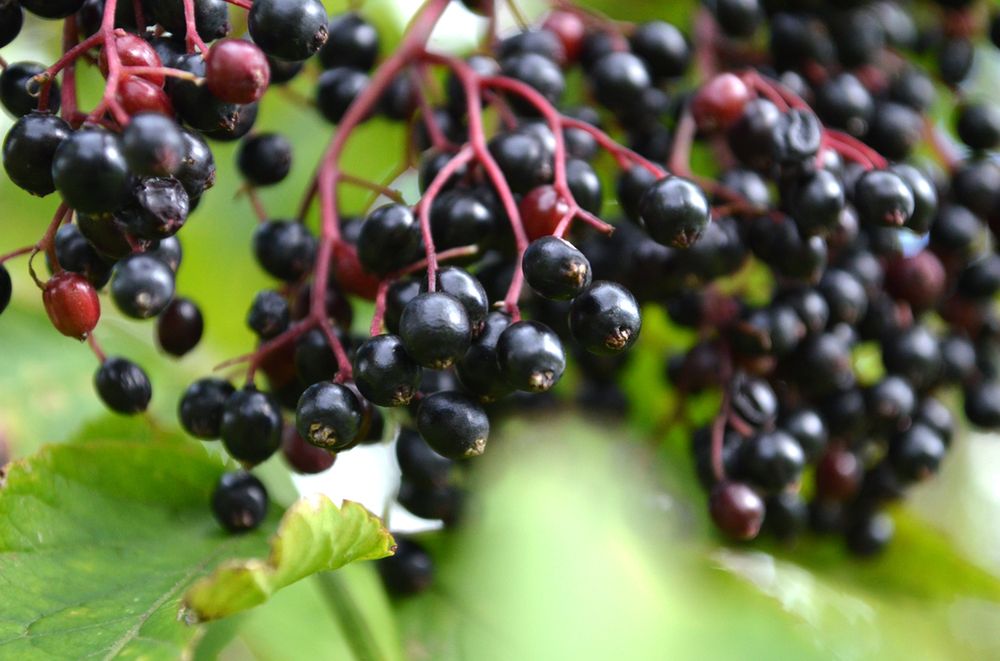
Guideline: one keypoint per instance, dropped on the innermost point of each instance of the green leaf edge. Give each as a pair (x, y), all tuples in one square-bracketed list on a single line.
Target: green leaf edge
[(237, 585)]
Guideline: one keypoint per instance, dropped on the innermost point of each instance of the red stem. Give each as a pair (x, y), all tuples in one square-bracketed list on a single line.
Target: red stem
[(457, 162), (193, 40)]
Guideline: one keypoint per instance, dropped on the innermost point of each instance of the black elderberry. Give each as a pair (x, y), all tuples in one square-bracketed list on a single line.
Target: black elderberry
[(736, 510), (211, 18), (418, 462), (11, 20), (916, 453), (523, 159), (539, 73), (288, 29), (663, 48), (157, 208), (845, 104), (461, 218), (167, 251), (478, 369), (869, 533), (982, 404), (251, 425), (197, 170), (752, 136), (675, 212), (530, 356), (808, 429), (468, 290), (883, 198), (772, 460), (895, 130), (555, 269), (285, 249), (435, 329), (330, 416), (336, 91), (980, 280), (632, 185), (605, 318), (619, 80), (269, 314), (153, 145), (453, 424), (890, 403), (264, 158), (796, 139), (142, 286), (123, 386), (74, 253), (818, 203), (925, 197), (444, 502), (314, 358), (398, 295), (239, 501), (389, 239), (352, 42), (978, 125), (786, 515), (754, 401), (6, 288), (179, 326), (90, 172), (201, 407), (409, 570), (29, 149), (914, 354), (384, 372), (19, 94)]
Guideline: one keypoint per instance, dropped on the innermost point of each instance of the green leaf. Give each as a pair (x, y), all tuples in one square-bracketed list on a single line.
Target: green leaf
[(101, 539), (315, 535)]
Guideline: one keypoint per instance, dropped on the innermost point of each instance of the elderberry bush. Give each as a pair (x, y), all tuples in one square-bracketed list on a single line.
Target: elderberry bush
[(835, 216)]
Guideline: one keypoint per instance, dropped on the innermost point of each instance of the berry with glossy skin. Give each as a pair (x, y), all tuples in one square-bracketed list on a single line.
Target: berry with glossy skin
[(72, 304), (264, 159), (236, 71), (869, 533), (153, 145), (435, 329), (736, 510), (6, 288), (29, 149), (662, 47), (772, 460), (17, 89), (541, 210), (890, 404), (384, 373), (288, 29), (239, 502), (605, 318), (787, 516), (555, 269), (201, 406), (530, 356), (142, 286), (179, 326), (269, 314), (539, 73), (461, 218), (523, 160), (74, 253), (468, 290), (167, 251), (314, 359), (196, 105), (210, 16), (675, 212), (982, 404), (739, 18), (410, 570), (453, 424), (329, 416), (478, 369), (585, 185), (302, 457), (11, 20), (90, 172), (619, 80), (123, 386), (978, 125), (285, 249), (419, 463), (883, 198), (137, 95), (838, 475), (158, 208), (631, 186), (914, 354), (916, 453), (336, 91), (134, 51), (251, 425), (389, 239), (353, 42), (197, 170), (720, 102)]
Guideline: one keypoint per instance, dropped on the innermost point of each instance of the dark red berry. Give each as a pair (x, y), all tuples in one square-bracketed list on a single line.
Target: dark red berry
[(236, 71), (720, 101), (736, 509), (72, 304)]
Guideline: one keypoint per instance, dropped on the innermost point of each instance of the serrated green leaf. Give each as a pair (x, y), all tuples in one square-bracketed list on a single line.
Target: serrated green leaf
[(101, 539), (315, 535)]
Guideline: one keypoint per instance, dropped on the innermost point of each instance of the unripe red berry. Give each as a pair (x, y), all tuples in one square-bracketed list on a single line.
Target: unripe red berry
[(301, 456), (72, 304), (134, 51), (720, 101), (838, 475), (236, 71), (919, 279), (541, 210), (570, 29), (139, 95), (350, 275), (736, 509)]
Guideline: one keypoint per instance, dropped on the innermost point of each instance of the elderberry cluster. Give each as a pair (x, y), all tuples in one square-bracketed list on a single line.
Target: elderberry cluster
[(813, 231)]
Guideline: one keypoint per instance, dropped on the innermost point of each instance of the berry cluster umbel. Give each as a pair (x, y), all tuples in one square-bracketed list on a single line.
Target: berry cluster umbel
[(815, 186)]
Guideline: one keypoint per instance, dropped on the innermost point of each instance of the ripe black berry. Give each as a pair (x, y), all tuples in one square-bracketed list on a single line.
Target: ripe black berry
[(285, 249), (352, 42), (29, 149), (265, 158), (302, 457), (418, 462), (605, 318), (269, 314), (555, 269), (197, 170), (478, 369), (336, 91), (18, 93), (453, 424), (142, 286), (90, 172), (11, 20), (523, 159), (444, 503), (916, 453), (251, 425), (409, 570), (978, 125), (201, 406), (662, 47), (619, 80), (384, 373), (468, 290), (288, 29), (157, 208), (540, 73), (329, 416), (772, 460), (179, 326), (530, 356), (239, 501), (123, 386), (869, 533), (435, 329), (153, 145), (982, 404), (461, 218), (883, 198), (675, 212), (389, 239), (6, 288), (787, 515), (74, 253)]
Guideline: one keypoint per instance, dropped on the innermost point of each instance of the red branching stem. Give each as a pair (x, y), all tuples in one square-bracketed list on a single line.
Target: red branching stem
[(850, 147), (680, 150), (719, 424), (344, 369), (242, 4), (95, 346), (268, 348), (706, 37), (67, 93), (457, 162), (47, 244), (380, 302), (70, 55), (190, 26), (427, 115), (108, 101), (16, 253), (623, 155)]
